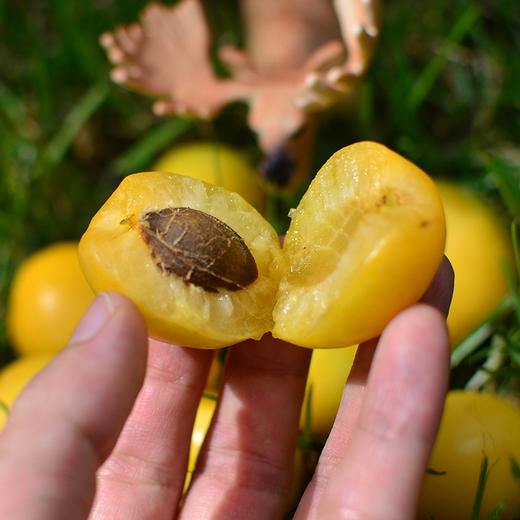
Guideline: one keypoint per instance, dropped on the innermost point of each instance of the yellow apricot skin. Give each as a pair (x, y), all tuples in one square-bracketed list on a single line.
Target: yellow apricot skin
[(473, 425), (364, 242), (218, 164), (326, 378), (47, 298), (477, 245), (16, 375), (203, 417), (114, 256)]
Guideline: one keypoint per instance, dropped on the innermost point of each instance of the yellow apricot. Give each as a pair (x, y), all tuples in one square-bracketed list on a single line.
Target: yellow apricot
[(116, 254), (16, 375), (218, 164), (48, 296), (364, 242), (477, 242), (328, 372), (473, 425)]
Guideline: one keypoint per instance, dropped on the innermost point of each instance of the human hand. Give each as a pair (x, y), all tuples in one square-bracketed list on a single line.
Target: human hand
[(104, 431)]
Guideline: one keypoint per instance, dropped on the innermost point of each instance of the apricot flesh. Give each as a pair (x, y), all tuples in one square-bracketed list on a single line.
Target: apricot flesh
[(114, 255), (364, 242)]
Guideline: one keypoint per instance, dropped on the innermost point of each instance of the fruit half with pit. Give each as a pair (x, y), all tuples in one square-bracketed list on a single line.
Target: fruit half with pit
[(364, 242), (206, 268), (200, 262)]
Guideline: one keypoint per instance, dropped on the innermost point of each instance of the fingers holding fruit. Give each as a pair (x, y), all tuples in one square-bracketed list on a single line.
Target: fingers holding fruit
[(383, 429), (247, 460), (146, 471)]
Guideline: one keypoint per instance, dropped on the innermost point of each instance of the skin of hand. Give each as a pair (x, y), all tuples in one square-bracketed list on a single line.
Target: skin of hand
[(103, 432)]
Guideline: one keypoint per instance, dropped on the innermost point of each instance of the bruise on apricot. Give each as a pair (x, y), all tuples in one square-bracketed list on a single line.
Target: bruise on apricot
[(198, 247)]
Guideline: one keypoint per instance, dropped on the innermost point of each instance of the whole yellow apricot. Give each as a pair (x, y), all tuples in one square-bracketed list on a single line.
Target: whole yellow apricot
[(364, 242), (15, 376), (218, 164), (476, 244), (47, 298), (328, 372), (473, 425)]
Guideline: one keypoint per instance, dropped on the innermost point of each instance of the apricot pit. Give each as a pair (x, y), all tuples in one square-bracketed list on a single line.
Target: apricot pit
[(200, 248)]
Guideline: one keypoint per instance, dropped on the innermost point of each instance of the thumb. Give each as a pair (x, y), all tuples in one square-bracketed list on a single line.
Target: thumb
[(67, 420)]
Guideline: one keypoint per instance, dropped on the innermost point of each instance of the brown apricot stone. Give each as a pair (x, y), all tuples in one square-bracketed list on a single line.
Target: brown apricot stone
[(198, 247), (214, 288)]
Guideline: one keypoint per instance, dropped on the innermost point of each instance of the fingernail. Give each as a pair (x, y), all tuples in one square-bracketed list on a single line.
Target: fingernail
[(97, 315)]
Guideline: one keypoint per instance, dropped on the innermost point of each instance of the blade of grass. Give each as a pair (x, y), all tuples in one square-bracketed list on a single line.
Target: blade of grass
[(468, 345), (506, 176), (496, 358), (479, 495), (515, 470), (304, 439), (429, 75), (142, 152), (74, 122), (82, 50), (472, 342), (13, 109), (496, 511), (516, 245), (510, 276)]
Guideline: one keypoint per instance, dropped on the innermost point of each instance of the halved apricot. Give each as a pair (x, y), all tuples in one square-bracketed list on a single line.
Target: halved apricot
[(206, 269), (364, 242), (201, 263)]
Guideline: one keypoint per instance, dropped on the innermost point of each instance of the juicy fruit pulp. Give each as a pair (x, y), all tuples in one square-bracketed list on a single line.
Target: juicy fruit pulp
[(115, 256), (364, 242)]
